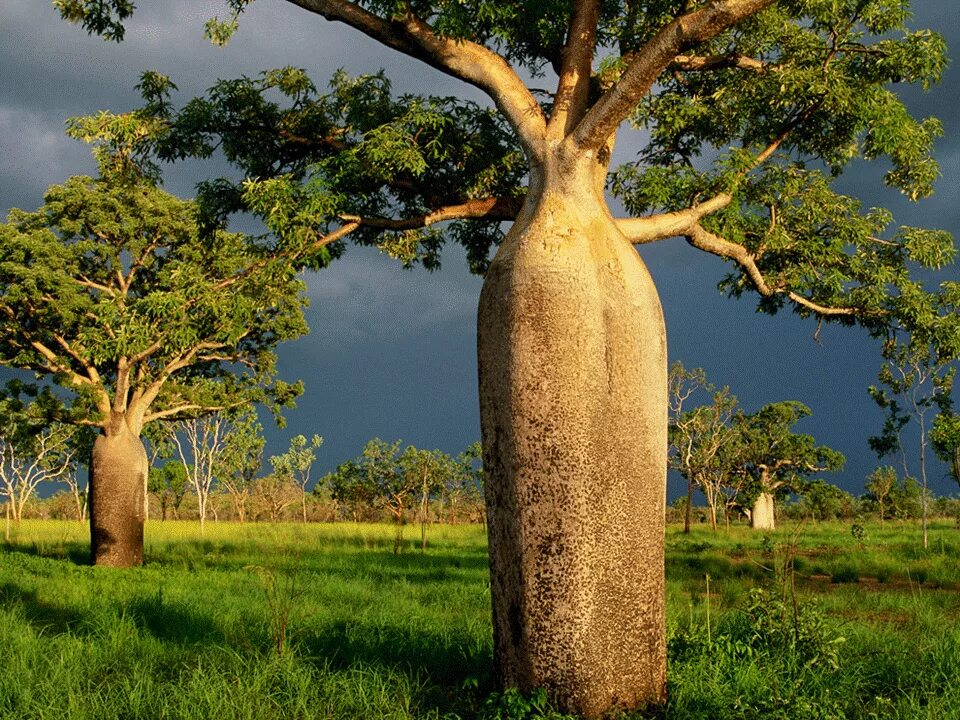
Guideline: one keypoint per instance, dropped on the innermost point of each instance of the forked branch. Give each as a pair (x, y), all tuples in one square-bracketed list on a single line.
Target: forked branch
[(687, 31), (462, 59), (703, 239)]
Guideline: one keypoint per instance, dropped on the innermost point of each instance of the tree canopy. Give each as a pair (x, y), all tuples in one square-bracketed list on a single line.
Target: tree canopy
[(751, 110), (109, 291)]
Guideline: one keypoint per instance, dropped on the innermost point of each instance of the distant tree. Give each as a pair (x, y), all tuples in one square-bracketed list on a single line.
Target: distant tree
[(200, 443), (273, 494), (428, 471), (351, 489), (821, 500), (295, 465), (109, 291), (880, 484), (464, 486), (169, 483), (240, 460), (32, 451), (682, 384), (917, 377), (384, 477), (77, 478), (776, 459), (750, 110), (702, 444)]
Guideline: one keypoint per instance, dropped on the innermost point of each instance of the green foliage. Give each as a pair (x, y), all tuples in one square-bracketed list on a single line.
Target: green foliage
[(511, 704), (296, 462), (796, 93), (945, 436), (170, 483), (776, 458), (109, 291)]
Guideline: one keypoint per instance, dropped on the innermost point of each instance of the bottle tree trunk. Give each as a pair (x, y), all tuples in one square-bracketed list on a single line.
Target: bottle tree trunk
[(762, 515), (573, 403), (117, 472)]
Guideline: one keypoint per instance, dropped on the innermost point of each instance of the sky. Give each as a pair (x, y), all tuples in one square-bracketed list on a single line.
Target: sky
[(391, 353)]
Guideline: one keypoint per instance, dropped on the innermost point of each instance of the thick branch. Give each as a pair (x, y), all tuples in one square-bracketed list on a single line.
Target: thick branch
[(696, 63), (570, 99), (650, 61), (702, 239), (481, 208), (462, 59), (666, 225)]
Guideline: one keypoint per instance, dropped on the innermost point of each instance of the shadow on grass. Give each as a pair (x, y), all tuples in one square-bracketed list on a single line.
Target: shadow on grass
[(44, 616), (76, 552), (151, 614)]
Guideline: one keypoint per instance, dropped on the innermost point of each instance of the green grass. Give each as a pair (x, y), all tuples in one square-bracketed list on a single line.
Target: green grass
[(325, 621)]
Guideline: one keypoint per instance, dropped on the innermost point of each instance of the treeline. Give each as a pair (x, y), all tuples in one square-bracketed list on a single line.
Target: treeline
[(213, 468), (823, 502), (754, 465)]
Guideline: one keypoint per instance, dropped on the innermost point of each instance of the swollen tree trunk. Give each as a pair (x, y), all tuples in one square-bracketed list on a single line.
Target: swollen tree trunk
[(117, 472), (762, 515), (573, 406)]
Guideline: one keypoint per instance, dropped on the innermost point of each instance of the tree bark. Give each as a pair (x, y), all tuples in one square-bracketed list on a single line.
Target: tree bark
[(117, 472), (762, 515), (573, 403)]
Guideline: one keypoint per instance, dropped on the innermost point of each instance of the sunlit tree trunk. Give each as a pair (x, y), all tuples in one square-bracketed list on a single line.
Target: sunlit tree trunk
[(762, 514), (573, 401), (117, 471)]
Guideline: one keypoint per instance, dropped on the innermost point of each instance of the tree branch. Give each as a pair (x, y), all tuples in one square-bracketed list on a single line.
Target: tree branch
[(479, 208), (170, 412), (320, 242), (570, 99), (666, 225), (689, 30), (697, 63), (465, 60), (704, 240)]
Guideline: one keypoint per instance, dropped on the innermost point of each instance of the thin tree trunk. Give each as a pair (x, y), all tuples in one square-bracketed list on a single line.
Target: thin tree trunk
[(573, 405), (117, 470), (923, 480), (689, 509)]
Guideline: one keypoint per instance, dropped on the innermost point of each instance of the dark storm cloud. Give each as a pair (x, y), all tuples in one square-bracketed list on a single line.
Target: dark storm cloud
[(391, 353)]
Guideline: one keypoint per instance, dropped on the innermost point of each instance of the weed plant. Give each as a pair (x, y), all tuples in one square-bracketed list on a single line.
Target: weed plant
[(325, 621)]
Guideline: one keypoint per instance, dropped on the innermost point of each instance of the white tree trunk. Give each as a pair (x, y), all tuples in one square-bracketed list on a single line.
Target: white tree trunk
[(573, 402), (762, 515)]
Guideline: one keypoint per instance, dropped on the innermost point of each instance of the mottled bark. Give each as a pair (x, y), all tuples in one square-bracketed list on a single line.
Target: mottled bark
[(762, 515), (117, 471), (573, 401)]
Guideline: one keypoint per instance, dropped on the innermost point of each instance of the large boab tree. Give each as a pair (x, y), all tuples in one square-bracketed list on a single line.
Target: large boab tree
[(107, 291), (751, 107)]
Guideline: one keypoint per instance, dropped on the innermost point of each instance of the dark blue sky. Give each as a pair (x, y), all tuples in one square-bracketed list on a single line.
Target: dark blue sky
[(392, 353)]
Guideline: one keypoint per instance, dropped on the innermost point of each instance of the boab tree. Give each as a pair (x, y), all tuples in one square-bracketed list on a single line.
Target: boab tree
[(108, 291), (776, 459), (752, 108)]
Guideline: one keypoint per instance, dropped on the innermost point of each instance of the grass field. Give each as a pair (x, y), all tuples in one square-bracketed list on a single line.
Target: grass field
[(325, 621)]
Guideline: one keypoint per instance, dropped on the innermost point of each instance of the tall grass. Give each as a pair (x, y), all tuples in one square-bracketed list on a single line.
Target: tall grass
[(325, 621)]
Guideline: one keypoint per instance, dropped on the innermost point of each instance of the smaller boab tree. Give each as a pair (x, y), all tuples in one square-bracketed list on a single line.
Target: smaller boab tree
[(776, 459), (110, 291)]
